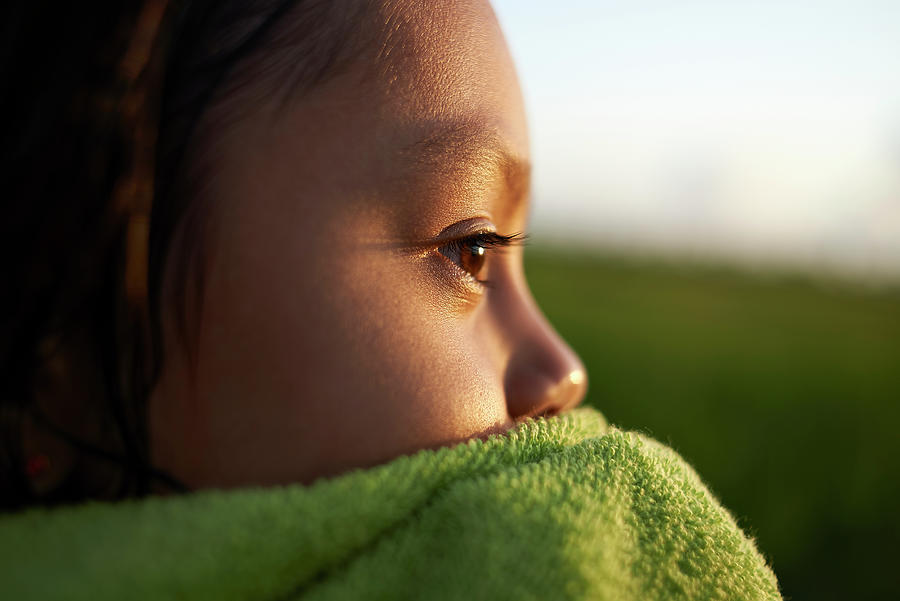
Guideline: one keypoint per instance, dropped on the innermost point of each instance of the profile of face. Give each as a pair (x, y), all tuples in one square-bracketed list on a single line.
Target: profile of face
[(364, 295)]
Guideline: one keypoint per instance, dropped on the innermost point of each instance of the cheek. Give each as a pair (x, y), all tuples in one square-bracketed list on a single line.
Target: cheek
[(347, 357), (407, 352)]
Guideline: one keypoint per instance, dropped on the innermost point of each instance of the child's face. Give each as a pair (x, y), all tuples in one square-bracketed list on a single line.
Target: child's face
[(343, 320)]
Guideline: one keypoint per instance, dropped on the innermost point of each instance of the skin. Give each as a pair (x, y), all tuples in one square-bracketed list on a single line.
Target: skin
[(338, 328)]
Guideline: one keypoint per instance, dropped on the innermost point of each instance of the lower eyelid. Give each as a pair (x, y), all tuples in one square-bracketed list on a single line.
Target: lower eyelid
[(452, 264), (458, 277)]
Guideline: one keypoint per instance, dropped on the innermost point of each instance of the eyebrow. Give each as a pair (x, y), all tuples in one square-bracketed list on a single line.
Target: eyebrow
[(472, 147)]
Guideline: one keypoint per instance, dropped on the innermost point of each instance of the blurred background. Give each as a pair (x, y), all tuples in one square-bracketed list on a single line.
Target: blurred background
[(716, 230)]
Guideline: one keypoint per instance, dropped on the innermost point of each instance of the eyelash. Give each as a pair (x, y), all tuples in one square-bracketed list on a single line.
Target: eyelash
[(455, 250)]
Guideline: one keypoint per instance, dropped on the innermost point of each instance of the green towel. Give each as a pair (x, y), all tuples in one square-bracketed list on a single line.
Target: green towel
[(563, 508)]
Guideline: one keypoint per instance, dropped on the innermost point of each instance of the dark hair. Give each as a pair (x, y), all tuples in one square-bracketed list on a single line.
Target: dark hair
[(112, 114)]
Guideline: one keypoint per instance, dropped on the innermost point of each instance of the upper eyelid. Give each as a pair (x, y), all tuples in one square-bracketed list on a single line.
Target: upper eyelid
[(481, 229), (497, 239), (465, 229), (489, 239)]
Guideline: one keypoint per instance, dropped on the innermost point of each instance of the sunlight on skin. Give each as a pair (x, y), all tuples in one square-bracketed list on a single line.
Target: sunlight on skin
[(342, 324)]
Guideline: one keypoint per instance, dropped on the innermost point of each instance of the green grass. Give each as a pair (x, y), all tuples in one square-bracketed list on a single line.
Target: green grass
[(783, 392)]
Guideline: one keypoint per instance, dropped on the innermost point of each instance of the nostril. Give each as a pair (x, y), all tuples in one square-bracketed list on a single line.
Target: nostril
[(552, 412)]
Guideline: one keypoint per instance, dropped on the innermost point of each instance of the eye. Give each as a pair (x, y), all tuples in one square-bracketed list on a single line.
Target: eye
[(470, 254)]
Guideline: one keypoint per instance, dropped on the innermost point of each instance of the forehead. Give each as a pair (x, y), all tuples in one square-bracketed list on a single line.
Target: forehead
[(445, 62), (426, 122)]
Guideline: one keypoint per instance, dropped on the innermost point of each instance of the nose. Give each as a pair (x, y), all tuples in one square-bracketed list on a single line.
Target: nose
[(544, 376)]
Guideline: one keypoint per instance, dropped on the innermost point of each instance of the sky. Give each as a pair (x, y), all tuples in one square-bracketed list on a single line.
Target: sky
[(762, 131)]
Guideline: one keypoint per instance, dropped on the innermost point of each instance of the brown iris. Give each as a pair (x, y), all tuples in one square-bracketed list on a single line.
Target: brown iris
[(472, 257)]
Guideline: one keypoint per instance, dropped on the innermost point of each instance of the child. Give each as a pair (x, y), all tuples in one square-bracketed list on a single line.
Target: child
[(336, 193)]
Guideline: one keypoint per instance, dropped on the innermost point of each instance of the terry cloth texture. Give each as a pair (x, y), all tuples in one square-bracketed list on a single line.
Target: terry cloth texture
[(563, 508)]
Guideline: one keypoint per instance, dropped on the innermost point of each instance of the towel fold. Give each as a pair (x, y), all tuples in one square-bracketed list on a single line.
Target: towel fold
[(562, 508)]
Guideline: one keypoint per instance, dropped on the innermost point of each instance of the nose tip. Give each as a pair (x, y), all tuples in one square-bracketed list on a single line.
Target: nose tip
[(545, 388), (573, 388), (568, 392)]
